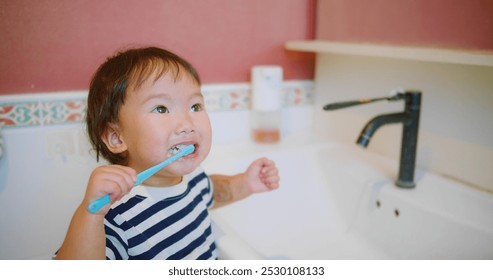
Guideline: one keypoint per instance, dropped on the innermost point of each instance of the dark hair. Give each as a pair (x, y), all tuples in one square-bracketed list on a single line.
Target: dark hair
[(126, 71)]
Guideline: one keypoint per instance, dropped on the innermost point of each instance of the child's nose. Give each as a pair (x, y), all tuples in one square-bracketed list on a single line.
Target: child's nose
[(184, 124)]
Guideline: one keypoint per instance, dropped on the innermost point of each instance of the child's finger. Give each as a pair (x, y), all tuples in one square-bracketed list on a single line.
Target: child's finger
[(271, 180), (269, 171), (113, 178)]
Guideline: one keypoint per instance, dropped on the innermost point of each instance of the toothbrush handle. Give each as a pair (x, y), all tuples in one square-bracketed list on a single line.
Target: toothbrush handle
[(97, 204)]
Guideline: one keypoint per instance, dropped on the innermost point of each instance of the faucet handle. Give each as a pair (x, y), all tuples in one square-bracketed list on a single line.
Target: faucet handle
[(339, 105)]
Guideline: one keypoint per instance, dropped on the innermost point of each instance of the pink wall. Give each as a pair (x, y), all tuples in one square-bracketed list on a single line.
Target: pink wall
[(55, 45), (442, 23)]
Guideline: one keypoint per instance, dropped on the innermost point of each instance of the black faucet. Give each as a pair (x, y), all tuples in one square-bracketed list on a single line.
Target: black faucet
[(410, 120)]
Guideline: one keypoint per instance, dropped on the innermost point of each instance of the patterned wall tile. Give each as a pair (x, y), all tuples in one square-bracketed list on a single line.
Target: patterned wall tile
[(226, 100), (58, 112), (20, 114), (55, 109), (299, 95), (33, 113)]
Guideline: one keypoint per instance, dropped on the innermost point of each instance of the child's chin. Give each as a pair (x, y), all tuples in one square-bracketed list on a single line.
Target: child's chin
[(185, 169)]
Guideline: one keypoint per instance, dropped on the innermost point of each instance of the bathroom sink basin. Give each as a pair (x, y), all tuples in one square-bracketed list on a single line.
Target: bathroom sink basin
[(340, 202)]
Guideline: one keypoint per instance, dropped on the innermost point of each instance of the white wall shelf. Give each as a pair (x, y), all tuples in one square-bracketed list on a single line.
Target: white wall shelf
[(467, 57)]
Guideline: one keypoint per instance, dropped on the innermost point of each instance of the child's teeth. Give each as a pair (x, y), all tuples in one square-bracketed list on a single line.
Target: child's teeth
[(175, 149)]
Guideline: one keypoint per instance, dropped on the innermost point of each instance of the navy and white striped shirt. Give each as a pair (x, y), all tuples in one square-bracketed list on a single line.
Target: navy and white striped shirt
[(163, 222)]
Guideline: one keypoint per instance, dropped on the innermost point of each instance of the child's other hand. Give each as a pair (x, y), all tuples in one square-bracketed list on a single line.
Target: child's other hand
[(262, 175), (115, 180)]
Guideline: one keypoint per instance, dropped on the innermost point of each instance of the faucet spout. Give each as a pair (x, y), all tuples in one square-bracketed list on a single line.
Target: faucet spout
[(377, 122)]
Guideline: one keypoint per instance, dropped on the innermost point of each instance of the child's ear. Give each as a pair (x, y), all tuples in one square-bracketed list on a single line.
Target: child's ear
[(113, 139)]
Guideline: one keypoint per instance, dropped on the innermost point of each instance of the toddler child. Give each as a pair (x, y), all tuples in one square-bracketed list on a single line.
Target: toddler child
[(143, 105)]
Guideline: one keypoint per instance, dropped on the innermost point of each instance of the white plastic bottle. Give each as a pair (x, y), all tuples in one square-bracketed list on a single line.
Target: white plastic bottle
[(266, 103)]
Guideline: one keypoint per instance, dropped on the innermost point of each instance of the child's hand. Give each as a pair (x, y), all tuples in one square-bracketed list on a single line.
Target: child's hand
[(115, 180), (262, 175)]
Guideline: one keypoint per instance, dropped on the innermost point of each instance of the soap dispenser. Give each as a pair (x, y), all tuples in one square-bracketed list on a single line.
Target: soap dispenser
[(266, 103)]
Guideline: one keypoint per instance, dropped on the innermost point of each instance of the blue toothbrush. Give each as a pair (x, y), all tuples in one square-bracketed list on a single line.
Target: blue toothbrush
[(96, 205)]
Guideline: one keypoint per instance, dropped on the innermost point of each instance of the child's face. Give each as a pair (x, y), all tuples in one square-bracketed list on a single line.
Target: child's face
[(159, 116)]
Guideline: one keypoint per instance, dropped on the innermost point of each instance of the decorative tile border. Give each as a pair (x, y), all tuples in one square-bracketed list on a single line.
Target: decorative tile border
[(20, 114), (34, 113), (57, 112), (226, 97), (62, 108), (299, 93)]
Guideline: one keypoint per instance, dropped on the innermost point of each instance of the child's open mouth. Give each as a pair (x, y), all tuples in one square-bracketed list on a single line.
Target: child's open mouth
[(177, 148)]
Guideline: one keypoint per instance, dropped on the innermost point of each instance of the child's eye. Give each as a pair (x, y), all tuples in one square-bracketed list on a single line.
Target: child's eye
[(160, 110), (197, 107)]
